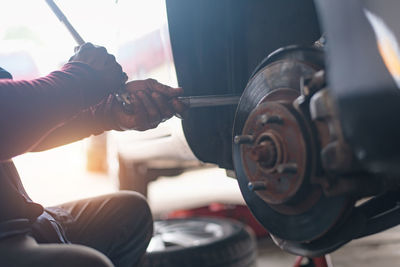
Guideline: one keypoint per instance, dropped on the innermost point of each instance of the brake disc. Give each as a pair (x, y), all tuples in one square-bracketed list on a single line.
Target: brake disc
[(275, 151)]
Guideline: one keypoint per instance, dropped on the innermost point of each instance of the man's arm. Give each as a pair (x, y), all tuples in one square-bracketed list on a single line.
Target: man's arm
[(29, 110), (153, 103), (91, 121)]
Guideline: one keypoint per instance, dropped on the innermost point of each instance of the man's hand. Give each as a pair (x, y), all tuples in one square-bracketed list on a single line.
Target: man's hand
[(152, 103), (110, 74)]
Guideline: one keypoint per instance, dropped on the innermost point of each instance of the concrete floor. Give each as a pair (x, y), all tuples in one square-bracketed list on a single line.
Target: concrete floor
[(380, 250), (59, 175)]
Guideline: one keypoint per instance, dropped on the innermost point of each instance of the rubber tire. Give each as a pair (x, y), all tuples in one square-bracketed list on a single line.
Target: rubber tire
[(238, 249)]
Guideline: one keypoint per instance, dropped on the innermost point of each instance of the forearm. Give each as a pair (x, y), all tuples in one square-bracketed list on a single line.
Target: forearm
[(74, 130), (29, 110), (92, 121)]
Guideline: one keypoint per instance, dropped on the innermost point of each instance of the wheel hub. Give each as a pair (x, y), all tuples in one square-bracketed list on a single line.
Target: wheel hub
[(275, 151), (278, 157)]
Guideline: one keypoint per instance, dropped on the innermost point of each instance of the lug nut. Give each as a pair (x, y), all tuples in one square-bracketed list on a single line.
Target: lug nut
[(256, 186), (287, 168), (243, 139)]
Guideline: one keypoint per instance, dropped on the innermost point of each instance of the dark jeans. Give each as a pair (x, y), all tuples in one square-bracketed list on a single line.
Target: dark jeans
[(112, 228)]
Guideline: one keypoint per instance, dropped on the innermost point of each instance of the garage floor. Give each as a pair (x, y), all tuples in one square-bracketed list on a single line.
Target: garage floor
[(381, 250), (52, 177)]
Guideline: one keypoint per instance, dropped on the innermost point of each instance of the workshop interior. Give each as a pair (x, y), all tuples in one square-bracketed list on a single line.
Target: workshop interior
[(293, 103)]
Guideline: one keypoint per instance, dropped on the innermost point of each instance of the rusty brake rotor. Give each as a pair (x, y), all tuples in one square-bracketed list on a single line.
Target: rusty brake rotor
[(275, 152)]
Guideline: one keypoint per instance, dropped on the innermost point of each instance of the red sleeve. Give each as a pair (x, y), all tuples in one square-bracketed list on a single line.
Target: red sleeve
[(92, 121), (31, 109)]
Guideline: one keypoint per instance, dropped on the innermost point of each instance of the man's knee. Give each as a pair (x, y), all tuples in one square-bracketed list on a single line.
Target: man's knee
[(133, 203), (135, 227), (135, 211)]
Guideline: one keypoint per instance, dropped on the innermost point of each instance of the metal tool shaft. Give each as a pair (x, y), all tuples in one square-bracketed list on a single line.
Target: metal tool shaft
[(123, 97), (209, 100), (60, 15), (194, 101)]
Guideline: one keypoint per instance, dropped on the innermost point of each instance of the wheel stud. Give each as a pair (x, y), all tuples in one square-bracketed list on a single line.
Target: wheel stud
[(243, 139), (256, 186), (287, 168), (263, 119)]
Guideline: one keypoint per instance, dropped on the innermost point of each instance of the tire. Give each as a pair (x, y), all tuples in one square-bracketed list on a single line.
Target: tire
[(201, 242)]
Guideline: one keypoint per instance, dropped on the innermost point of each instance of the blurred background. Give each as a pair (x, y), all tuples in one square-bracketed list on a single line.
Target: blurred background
[(134, 31), (34, 43)]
